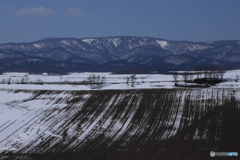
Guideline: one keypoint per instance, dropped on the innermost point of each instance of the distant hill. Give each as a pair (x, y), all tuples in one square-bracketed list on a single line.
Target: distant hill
[(117, 54)]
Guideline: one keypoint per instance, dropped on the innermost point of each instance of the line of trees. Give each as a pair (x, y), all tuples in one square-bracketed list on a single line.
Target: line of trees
[(131, 80), (25, 79), (211, 75), (96, 81)]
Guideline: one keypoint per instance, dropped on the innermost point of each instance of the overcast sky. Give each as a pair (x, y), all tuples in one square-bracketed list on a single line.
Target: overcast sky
[(191, 20)]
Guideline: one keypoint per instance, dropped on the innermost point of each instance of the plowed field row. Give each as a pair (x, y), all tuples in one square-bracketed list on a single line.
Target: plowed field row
[(120, 124)]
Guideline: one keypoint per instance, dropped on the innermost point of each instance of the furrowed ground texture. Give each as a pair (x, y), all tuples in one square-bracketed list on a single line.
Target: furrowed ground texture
[(119, 124)]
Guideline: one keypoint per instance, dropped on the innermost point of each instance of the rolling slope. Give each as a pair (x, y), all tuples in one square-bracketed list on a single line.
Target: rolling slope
[(118, 124)]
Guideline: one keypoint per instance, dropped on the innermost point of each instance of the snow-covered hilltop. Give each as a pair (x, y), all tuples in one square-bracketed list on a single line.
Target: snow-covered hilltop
[(117, 54)]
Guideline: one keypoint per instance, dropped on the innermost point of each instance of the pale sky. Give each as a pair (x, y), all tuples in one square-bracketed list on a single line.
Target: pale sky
[(191, 20)]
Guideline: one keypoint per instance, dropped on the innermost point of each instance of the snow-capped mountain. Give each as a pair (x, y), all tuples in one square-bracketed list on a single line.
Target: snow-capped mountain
[(117, 54)]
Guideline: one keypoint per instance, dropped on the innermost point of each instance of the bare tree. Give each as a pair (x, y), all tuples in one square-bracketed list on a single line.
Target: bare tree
[(9, 80), (3, 81), (175, 77), (237, 78), (185, 76), (26, 77), (190, 77), (221, 73), (210, 74), (13, 81), (22, 80), (96, 81), (205, 74), (216, 74), (127, 80), (103, 80), (199, 74), (39, 81), (133, 79), (91, 80)]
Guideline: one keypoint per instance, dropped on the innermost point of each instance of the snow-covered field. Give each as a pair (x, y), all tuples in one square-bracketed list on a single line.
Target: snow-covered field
[(38, 122), (37, 119), (113, 81)]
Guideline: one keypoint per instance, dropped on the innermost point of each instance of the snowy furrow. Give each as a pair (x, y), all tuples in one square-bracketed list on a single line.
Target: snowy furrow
[(63, 121)]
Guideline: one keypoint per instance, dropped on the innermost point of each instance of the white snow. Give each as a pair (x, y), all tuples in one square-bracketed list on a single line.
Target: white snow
[(15, 74), (194, 47), (37, 46), (115, 41), (163, 44), (65, 42), (6, 98), (22, 119), (89, 41), (113, 81)]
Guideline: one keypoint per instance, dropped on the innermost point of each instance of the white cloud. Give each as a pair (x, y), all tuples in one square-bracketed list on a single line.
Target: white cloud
[(75, 12), (40, 11)]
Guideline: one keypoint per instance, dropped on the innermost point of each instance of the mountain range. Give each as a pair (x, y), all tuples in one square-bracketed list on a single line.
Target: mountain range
[(117, 54)]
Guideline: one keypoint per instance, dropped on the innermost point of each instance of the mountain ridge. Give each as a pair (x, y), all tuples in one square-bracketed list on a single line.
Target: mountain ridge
[(99, 54)]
